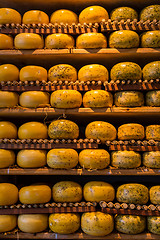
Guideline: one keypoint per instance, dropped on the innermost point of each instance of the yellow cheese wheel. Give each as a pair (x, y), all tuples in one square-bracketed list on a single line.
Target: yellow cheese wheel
[(7, 158), (97, 191), (129, 99), (33, 73), (94, 158), (7, 130), (100, 130), (91, 40), (35, 16), (93, 72), (32, 130), (131, 131), (123, 13), (62, 158), (9, 72), (151, 71), (153, 224), (7, 222), (93, 14), (9, 15), (151, 159), (64, 223), (154, 194), (97, 99), (6, 41), (62, 72), (34, 99), (8, 99), (150, 13), (28, 41), (153, 98), (8, 194), (64, 16), (35, 194), (67, 191), (97, 223), (153, 132), (32, 223), (63, 129), (31, 158), (66, 99), (59, 40), (150, 39)]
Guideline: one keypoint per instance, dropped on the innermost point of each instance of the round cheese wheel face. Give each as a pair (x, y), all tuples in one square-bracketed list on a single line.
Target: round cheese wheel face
[(7, 158), (8, 130), (153, 132), (131, 131)]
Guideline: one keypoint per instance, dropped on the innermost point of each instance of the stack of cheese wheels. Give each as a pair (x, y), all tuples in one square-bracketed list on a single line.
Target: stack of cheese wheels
[(64, 16), (150, 39), (150, 13), (34, 99), (62, 72), (6, 42), (123, 13), (7, 223), (35, 17), (8, 130), (151, 159), (28, 41), (91, 40), (7, 158), (153, 132), (8, 194), (59, 40), (9, 16), (33, 73), (125, 159), (131, 131), (32, 130)]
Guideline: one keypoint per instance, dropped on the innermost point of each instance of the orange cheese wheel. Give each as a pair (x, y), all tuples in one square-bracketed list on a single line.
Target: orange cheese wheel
[(64, 16), (9, 15), (28, 41), (9, 72), (35, 16), (8, 194), (59, 40), (34, 99), (8, 99), (6, 41), (33, 73), (91, 40), (32, 130), (8, 130), (7, 222), (7, 158)]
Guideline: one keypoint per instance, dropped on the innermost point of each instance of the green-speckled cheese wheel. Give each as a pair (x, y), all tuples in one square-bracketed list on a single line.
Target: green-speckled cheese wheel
[(129, 99), (150, 39), (153, 98), (153, 224), (151, 159), (126, 71), (59, 40), (97, 99), (34, 99), (154, 194), (150, 13), (8, 99), (123, 13), (125, 159), (132, 193), (63, 129), (124, 39), (130, 224), (94, 158), (100, 130), (62, 72), (91, 40), (131, 131), (153, 132), (151, 71)]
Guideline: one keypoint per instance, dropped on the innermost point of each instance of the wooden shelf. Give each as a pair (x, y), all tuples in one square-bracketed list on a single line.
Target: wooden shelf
[(115, 51), (146, 148), (143, 86)]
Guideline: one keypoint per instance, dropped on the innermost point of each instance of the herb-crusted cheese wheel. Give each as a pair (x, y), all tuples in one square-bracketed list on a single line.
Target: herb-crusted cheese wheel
[(32, 223), (97, 99), (34, 99), (62, 72), (153, 98), (150, 13), (153, 224), (67, 191), (153, 132), (8, 130), (66, 99), (154, 194), (63, 129), (7, 223), (129, 99), (7, 158), (131, 131), (123, 13), (151, 71), (62, 158), (35, 16), (9, 15), (28, 41), (8, 99), (100, 130), (132, 193), (33, 73), (59, 40), (125, 159), (151, 159), (130, 224), (6, 41), (94, 158), (32, 130), (97, 223), (64, 16), (8, 194), (150, 39), (124, 39), (9, 72), (98, 191), (91, 40)]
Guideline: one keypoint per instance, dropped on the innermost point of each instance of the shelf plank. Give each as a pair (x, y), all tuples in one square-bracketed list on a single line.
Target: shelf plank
[(131, 212), (115, 51), (134, 148), (137, 86), (35, 52)]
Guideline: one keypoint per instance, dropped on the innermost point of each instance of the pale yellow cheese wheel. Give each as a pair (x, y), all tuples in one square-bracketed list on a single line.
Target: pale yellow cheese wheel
[(7, 130), (153, 224), (9, 15), (35, 16), (9, 72), (7, 222), (62, 72), (129, 99), (8, 99), (6, 41), (28, 41), (153, 98), (131, 131), (96, 191), (59, 40), (32, 130), (151, 159), (8, 194), (34, 99), (33, 73), (64, 16), (91, 40), (153, 132), (7, 158), (154, 194)]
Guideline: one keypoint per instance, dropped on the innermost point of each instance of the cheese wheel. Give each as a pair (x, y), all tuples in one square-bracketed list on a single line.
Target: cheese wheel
[(154, 194), (123, 13), (94, 158), (100, 130), (151, 71), (97, 99), (35, 16), (151, 159), (9, 15), (8, 194), (33, 73), (32, 223), (124, 39), (9, 72), (7, 158), (7, 130), (64, 223), (31, 158), (153, 98), (59, 40), (131, 131), (132, 193), (153, 132), (7, 222), (32, 130), (67, 191), (91, 40), (97, 191), (153, 224), (150, 39), (35, 194), (97, 223), (125, 159), (64, 16), (150, 13), (62, 158), (93, 14), (93, 72), (28, 41), (129, 99), (34, 99), (66, 99), (63, 129), (8, 99), (130, 224), (62, 72), (6, 41)]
